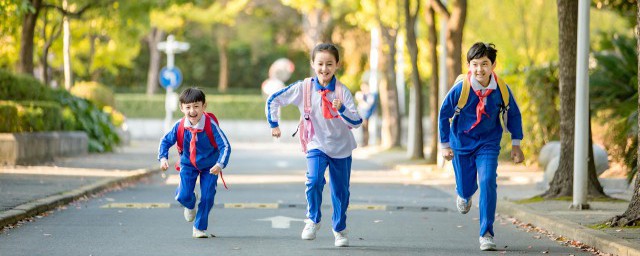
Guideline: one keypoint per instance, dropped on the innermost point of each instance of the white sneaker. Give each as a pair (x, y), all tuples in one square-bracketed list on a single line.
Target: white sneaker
[(199, 233), (486, 243), (463, 205), (310, 229), (341, 238), (190, 214)]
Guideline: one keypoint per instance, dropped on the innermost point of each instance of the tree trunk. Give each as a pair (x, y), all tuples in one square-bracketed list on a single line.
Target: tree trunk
[(223, 82), (631, 217), (55, 33), (594, 189), (92, 53), (562, 183), (25, 65), (153, 38), (66, 48), (389, 100), (415, 112), (430, 18), (455, 26)]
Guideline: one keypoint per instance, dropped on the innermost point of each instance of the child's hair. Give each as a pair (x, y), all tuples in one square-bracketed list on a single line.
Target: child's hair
[(328, 47), (480, 49), (191, 95)]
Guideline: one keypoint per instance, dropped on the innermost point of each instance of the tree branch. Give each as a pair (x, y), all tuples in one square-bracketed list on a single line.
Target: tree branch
[(440, 8)]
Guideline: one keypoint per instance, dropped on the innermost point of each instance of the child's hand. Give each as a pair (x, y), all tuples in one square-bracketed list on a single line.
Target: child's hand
[(517, 155), (164, 164), (447, 153), (215, 170), (337, 104), (275, 132)]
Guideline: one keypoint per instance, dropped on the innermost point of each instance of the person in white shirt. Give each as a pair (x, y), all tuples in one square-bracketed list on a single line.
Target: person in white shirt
[(328, 113)]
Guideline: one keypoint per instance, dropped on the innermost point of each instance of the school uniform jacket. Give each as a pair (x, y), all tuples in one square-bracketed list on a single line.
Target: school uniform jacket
[(206, 155), (488, 132), (332, 136)]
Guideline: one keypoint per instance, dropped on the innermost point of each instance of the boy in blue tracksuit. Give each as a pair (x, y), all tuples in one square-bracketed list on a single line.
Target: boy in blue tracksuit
[(201, 156), (472, 139)]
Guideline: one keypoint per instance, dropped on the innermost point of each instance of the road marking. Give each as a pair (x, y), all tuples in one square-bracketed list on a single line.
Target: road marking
[(352, 207), (251, 206), (136, 205), (375, 207), (281, 222)]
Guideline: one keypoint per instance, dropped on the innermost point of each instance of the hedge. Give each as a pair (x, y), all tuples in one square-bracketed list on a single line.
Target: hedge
[(31, 116), (242, 107)]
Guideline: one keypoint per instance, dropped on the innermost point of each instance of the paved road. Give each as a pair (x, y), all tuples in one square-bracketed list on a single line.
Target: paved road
[(390, 215)]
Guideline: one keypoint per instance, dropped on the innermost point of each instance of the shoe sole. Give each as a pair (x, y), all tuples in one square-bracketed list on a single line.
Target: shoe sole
[(488, 248), (308, 238)]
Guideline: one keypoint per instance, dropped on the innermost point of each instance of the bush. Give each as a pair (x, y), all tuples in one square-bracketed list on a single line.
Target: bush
[(38, 116), (96, 93), (39, 108), (20, 87), (233, 107), (9, 121)]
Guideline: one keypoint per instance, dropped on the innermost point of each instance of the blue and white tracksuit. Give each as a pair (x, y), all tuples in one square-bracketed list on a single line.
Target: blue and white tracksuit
[(206, 157), (476, 151), (331, 146)]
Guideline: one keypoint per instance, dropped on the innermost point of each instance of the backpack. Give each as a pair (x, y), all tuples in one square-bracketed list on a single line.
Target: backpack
[(305, 126), (207, 129), (466, 89)]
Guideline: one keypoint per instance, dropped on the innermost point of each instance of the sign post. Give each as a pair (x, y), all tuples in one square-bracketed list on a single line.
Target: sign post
[(170, 76)]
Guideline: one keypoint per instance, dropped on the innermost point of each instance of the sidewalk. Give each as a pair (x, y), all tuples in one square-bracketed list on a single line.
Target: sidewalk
[(26, 191), (516, 182)]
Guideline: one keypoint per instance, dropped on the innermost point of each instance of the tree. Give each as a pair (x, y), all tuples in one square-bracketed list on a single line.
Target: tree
[(391, 122), (456, 19), (433, 83), (631, 216), (415, 112), (25, 65), (562, 182)]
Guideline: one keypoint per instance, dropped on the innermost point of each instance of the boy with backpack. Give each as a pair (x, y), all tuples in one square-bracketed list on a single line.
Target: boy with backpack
[(327, 113), (470, 134), (204, 151)]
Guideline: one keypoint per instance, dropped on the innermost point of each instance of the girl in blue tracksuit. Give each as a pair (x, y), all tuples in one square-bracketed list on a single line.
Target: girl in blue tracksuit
[(472, 139), (201, 156), (331, 142)]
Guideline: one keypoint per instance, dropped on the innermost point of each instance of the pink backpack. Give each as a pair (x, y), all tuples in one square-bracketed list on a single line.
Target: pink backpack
[(305, 127)]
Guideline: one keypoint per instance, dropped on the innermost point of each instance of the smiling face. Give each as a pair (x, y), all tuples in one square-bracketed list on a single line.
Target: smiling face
[(481, 69), (324, 64), (193, 111)]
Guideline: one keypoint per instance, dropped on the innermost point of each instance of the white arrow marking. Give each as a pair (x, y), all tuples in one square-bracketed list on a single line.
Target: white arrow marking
[(280, 221)]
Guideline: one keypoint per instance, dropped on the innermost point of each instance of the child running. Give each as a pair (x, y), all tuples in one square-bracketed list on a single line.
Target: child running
[(472, 138), (204, 152), (327, 115)]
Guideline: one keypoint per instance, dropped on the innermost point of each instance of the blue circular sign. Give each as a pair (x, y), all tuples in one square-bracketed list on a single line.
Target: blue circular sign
[(170, 77)]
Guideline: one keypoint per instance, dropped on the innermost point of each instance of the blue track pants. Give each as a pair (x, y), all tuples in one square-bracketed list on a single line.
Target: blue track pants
[(186, 196), (479, 168), (340, 174)]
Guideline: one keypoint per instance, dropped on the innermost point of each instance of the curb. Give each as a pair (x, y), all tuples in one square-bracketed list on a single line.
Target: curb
[(594, 238), (41, 205)]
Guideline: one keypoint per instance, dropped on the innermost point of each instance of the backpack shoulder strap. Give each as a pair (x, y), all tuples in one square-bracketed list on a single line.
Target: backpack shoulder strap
[(464, 95), (503, 90), (306, 96), (180, 136), (209, 130)]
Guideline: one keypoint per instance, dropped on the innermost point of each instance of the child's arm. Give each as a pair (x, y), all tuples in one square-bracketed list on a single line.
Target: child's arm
[(223, 145), (514, 125), (347, 109), (291, 94), (167, 142)]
